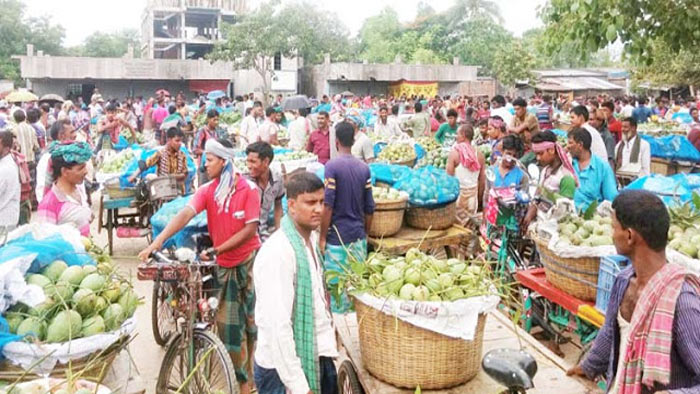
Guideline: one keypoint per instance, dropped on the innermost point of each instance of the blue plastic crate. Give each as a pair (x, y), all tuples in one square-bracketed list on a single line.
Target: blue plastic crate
[(610, 266)]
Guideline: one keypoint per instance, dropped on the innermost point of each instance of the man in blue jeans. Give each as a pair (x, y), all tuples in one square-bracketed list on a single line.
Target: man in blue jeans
[(296, 341)]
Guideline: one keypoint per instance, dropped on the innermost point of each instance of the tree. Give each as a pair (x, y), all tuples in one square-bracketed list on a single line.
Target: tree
[(295, 30), (466, 10), (670, 68), (477, 43), (16, 32), (377, 37), (589, 25), (108, 44), (513, 63)]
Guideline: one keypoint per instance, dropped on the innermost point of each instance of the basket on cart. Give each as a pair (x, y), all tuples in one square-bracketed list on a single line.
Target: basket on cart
[(163, 188), (115, 191), (408, 356), (93, 367), (388, 217), (575, 276), (436, 217), (408, 162)]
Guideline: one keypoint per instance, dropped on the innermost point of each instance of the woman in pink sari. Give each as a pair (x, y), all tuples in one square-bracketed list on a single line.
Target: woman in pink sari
[(65, 202)]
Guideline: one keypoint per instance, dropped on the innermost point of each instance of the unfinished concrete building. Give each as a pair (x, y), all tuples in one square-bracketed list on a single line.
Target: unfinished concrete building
[(185, 29)]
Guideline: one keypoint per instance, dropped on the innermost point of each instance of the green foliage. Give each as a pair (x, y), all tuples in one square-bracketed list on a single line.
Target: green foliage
[(16, 31), (292, 30), (589, 25), (108, 44), (513, 62), (477, 42), (669, 68)]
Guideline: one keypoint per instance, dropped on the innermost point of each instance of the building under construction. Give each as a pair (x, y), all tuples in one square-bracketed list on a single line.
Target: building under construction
[(185, 29)]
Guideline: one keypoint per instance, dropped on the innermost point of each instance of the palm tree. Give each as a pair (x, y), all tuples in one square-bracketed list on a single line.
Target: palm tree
[(471, 9)]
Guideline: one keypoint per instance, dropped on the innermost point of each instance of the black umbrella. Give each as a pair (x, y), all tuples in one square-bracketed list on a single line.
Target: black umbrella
[(296, 102)]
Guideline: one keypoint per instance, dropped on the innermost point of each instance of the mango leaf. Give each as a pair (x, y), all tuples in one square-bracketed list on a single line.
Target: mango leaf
[(696, 200), (590, 211)]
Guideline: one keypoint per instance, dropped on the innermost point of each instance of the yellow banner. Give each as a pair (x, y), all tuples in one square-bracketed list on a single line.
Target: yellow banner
[(425, 89)]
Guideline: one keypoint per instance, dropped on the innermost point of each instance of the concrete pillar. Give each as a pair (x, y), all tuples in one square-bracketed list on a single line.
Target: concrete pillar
[(365, 61), (40, 53), (327, 58), (397, 59), (30, 50), (183, 51), (129, 52), (455, 61)]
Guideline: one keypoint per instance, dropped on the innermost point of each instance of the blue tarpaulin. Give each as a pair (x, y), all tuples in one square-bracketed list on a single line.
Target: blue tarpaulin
[(670, 189), (672, 147)]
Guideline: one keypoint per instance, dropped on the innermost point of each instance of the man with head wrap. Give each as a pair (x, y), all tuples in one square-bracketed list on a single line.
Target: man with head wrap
[(363, 148), (233, 209)]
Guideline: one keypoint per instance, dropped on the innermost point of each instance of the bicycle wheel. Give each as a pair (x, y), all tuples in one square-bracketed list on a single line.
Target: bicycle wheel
[(162, 317), (214, 375)]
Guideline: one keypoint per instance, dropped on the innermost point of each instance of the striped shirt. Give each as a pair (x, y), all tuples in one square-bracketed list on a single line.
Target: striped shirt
[(685, 355), (26, 140)]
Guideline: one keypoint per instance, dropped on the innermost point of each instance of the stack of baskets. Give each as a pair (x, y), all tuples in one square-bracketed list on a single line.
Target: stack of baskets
[(575, 276), (388, 217), (436, 217), (407, 356)]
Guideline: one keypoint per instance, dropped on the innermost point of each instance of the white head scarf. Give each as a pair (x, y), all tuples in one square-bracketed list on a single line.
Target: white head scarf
[(226, 186)]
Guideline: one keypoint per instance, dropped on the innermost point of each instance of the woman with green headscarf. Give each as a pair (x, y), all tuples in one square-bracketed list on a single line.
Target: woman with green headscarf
[(66, 202)]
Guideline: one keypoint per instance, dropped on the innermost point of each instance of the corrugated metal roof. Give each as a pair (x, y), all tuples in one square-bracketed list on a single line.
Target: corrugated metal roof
[(568, 72), (576, 83)]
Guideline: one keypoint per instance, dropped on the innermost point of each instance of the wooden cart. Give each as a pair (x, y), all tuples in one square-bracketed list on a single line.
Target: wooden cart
[(427, 241), (551, 377)]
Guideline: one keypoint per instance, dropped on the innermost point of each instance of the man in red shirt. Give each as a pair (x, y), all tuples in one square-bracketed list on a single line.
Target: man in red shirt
[(614, 125), (319, 140), (233, 211)]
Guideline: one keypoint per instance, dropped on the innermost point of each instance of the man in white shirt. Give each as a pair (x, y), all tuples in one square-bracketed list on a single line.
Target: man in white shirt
[(498, 108), (251, 123), (627, 108), (270, 128), (579, 118), (363, 147), (291, 301), (632, 153), (9, 184), (388, 126), (299, 130)]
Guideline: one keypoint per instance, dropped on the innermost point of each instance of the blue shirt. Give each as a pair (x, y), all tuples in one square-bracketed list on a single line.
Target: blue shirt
[(512, 178), (596, 183), (641, 114), (349, 194)]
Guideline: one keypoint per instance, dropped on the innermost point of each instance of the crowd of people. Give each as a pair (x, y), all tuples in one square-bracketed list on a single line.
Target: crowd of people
[(274, 302)]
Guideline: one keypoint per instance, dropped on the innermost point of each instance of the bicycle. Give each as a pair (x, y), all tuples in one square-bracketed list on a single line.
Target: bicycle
[(162, 314), (195, 361)]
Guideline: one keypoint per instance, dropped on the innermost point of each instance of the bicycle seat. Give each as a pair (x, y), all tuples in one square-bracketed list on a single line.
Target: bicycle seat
[(511, 368)]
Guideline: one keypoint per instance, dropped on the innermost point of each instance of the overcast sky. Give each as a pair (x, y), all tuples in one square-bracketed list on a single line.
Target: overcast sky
[(80, 18)]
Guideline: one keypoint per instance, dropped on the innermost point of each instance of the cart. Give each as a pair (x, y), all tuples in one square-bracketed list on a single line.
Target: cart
[(586, 318), (425, 240), (115, 215), (551, 377)]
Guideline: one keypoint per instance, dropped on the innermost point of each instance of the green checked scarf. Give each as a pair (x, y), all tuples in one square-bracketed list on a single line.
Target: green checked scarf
[(303, 313)]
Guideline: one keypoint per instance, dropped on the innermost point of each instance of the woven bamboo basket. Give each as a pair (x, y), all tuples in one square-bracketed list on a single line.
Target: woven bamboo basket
[(388, 218), (114, 190), (575, 276), (407, 356), (93, 367), (435, 218)]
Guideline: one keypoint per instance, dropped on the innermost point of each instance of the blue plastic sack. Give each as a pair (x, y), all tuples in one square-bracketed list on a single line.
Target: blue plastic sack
[(428, 186), (183, 239), (121, 144), (5, 335), (670, 189), (387, 173), (560, 133), (682, 117), (672, 147), (144, 154), (47, 250)]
